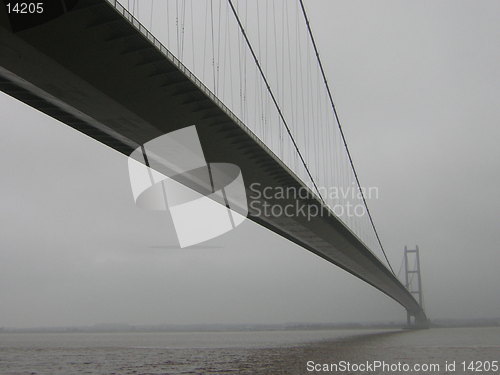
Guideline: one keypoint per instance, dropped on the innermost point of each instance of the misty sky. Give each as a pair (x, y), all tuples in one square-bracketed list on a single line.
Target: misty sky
[(416, 85)]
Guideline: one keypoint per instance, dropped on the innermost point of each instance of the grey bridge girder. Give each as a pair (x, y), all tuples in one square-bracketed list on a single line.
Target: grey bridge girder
[(93, 70)]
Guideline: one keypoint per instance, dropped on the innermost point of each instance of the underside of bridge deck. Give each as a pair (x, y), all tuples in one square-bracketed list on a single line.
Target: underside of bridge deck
[(94, 70)]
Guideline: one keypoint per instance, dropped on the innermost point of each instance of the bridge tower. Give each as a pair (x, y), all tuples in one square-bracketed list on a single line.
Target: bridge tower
[(413, 288)]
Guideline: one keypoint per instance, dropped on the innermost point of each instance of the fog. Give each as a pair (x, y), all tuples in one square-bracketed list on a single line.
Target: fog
[(416, 85)]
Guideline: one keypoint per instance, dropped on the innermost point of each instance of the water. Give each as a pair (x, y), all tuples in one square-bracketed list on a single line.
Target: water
[(269, 352)]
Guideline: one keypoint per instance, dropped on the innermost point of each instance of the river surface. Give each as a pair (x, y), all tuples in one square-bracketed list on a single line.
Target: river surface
[(266, 352)]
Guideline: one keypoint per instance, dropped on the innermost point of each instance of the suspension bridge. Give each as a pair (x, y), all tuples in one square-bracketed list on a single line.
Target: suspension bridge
[(248, 74)]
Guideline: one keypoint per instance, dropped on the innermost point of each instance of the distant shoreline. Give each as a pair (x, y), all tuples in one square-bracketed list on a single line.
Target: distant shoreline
[(124, 328)]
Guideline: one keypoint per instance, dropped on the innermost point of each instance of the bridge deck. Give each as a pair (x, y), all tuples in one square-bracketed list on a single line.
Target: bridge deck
[(105, 76)]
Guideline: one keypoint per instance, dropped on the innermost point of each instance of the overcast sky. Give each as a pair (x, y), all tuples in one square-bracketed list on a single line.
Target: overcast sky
[(416, 85)]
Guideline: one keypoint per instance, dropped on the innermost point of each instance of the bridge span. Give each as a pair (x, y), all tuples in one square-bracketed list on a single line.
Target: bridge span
[(95, 68)]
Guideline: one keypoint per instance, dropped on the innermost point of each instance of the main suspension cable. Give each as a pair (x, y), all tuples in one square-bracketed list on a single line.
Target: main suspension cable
[(273, 97), (342, 133)]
